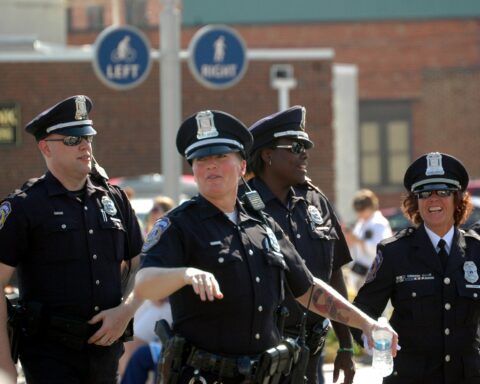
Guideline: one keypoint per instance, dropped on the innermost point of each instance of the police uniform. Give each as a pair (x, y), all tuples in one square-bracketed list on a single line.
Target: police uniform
[(67, 248), (248, 258), (308, 219), (436, 309)]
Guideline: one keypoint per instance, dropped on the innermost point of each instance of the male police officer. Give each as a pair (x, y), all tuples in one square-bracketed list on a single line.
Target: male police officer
[(68, 234), (237, 263), (430, 273)]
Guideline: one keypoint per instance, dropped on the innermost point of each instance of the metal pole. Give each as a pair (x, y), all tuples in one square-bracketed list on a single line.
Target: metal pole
[(170, 96)]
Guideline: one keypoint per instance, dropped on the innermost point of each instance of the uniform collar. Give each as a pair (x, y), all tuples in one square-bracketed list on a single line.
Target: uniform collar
[(207, 210), (55, 187), (434, 238), (267, 195)]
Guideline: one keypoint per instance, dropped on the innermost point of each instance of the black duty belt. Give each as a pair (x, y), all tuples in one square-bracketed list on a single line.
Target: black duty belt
[(227, 367)]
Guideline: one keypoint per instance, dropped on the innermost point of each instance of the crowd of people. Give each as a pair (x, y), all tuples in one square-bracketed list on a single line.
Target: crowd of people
[(248, 275)]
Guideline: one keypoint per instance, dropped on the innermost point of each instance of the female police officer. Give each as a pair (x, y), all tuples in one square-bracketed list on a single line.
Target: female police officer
[(279, 159), (234, 261), (430, 273)]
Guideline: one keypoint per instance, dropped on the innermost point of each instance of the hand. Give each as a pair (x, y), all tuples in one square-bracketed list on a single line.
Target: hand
[(203, 283), (374, 325), (344, 362), (114, 321), (8, 372)]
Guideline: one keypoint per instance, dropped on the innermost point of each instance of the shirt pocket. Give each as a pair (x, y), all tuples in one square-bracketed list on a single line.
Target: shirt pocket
[(467, 306), (418, 299), (62, 237), (112, 239)]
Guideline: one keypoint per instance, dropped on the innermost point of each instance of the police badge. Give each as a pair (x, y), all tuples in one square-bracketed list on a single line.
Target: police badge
[(272, 240), (109, 206), (5, 210), (471, 272), (434, 164), (314, 215), (205, 125), (81, 108)]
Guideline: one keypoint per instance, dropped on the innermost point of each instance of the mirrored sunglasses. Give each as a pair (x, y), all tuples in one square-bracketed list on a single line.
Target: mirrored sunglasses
[(440, 193), (72, 141), (295, 147)]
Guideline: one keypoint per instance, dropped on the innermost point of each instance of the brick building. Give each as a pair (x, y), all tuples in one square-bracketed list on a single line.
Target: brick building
[(418, 81)]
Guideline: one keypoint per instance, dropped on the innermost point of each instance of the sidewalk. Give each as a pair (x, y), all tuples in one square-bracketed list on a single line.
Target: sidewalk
[(364, 375)]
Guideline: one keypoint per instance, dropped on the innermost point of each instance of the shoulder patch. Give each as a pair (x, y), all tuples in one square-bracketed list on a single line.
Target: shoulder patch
[(471, 233), (399, 235), (154, 235), (5, 210), (25, 187), (372, 273)]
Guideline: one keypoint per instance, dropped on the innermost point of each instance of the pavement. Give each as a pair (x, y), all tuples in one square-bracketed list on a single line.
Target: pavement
[(365, 374)]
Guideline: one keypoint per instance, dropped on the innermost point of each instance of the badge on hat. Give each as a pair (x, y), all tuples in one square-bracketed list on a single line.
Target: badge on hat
[(154, 235), (109, 206), (471, 272), (5, 210), (272, 240), (304, 118), (205, 125), (81, 112), (434, 164), (314, 215)]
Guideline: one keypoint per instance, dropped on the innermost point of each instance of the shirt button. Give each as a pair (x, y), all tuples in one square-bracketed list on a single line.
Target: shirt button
[(475, 295), (97, 282), (90, 231), (85, 208), (97, 308), (250, 252), (298, 236), (448, 306), (257, 336), (221, 259), (64, 226), (260, 308), (395, 373), (414, 294), (257, 279), (447, 358), (94, 257), (446, 281), (447, 331)]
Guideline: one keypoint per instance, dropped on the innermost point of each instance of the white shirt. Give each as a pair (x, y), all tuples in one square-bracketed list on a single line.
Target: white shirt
[(434, 238)]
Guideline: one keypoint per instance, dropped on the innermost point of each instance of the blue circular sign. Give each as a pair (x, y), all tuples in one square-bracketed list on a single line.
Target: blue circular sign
[(218, 57), (122, 57)]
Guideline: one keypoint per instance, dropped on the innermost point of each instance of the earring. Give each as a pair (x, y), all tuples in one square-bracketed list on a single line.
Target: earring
[(270, 161)]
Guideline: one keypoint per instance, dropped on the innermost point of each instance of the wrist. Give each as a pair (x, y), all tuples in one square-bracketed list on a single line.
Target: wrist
[(347, 350)]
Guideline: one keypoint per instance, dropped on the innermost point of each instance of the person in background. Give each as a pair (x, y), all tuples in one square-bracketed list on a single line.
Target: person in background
[(69, 234), (370, 228), (430, 273), (147, 315), (279, 161), (225, 266)]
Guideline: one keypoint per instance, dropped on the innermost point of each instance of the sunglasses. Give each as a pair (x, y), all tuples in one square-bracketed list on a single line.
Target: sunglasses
[(72, 141), (295, 147), (440, 193)]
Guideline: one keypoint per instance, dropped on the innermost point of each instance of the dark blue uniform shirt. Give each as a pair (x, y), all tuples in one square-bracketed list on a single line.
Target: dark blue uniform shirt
[(68, 251), (436, 312), (244, 262)]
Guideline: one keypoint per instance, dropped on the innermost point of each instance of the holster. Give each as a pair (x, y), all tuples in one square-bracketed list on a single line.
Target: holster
[(172, 358), (15, 316), (317, 336), (275, 363)]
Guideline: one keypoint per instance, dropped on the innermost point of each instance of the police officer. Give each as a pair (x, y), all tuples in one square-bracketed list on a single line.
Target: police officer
[(279, 160), (226, 267), (68, 233), (430, 273)]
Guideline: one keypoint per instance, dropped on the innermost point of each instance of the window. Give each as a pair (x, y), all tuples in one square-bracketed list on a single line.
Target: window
[(95, 17), (385, 136), (135, 12)]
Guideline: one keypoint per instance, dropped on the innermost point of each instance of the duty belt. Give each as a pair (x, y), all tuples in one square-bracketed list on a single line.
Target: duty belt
[(227, 367)]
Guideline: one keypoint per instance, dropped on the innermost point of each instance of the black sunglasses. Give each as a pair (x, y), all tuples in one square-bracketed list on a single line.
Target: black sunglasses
[(72, 141), (295, 147), (439, 193)]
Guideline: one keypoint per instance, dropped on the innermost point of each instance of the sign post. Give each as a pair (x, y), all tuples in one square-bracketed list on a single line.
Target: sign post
[(122, 57), (217, 57)]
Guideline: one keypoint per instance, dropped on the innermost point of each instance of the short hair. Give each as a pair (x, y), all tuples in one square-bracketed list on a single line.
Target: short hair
[(365, 198), (165, 202), (462, 201)]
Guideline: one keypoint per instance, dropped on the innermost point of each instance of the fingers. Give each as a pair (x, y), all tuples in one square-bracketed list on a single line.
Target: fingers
[(204, 284)]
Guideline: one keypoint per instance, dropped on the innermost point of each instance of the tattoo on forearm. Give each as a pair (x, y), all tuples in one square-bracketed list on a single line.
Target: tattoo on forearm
[(326, 303)]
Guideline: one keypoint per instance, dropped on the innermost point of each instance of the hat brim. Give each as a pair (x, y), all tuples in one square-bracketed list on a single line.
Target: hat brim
[(211, 151), (84, 130), (436, 187)]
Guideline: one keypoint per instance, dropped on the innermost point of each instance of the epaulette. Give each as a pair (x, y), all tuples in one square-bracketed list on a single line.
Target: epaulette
[(25, 187), (184, 206), (399, 235), (471, 232)]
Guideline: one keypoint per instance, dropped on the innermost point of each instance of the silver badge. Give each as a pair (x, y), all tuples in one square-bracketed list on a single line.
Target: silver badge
[(434, 164), (108, 206), (205, 125), (471, 272), (154, 235), (273, 240), (314, 215), (304, 119), (81, 108), (5, 210)]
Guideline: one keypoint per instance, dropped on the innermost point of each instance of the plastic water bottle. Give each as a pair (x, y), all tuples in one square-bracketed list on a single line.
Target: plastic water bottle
[(382, 360)]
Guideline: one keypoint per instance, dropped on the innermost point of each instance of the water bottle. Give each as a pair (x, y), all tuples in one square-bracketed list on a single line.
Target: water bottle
[(382, 360)]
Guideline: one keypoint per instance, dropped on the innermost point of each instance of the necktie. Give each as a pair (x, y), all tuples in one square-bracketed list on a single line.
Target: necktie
[(442, 253)]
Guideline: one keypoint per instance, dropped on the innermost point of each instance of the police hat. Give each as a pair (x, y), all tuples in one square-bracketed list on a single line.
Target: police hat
[(69, 118), (289, 123), (209, 133), (436, 171)]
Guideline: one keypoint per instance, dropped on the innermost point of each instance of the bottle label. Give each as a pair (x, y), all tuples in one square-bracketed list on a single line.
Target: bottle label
[(383, 344)]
